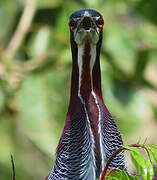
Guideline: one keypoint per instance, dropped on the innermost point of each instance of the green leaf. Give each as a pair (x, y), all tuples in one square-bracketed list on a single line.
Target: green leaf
[(120, 174), (112, 178), (34, 114), (153, 149), (143, 166), (130, 148), (139, 139), (39, 42), (150, 170), (133, 177), (124, 175), (121, 46)]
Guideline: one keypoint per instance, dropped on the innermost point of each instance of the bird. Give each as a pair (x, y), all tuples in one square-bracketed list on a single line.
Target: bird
[(90, 134)]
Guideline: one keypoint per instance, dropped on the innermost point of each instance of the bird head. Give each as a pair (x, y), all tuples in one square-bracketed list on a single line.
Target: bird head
[(86, 24)]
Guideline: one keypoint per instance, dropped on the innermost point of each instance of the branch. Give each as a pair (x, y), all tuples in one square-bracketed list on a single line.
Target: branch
[(104, 175), (22, 28), (13, 167), (112, 170), (109, 161)]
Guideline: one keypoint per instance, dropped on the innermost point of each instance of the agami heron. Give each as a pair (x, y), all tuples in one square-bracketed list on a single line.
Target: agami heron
[(90, 134)]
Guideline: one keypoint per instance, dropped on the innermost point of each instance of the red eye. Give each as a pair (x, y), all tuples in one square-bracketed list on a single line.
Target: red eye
[(72, 24), (100, 22)]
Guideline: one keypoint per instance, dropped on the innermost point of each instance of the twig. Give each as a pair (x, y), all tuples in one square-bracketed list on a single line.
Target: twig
[(112, 170), (22, 28), (13, 167), (115, 153), (109, 161)]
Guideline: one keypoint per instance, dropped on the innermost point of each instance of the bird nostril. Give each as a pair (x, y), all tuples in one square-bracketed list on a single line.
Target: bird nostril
[(86, 23)]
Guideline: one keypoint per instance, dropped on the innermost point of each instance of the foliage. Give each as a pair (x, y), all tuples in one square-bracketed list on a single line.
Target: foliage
[(146, 168), (35, 66)]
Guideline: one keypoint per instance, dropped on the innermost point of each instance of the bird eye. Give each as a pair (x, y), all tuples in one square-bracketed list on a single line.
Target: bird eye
[(100, 22), (72, 24)]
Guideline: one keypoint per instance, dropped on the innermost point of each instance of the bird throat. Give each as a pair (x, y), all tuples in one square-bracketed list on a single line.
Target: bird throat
[(86, 60)]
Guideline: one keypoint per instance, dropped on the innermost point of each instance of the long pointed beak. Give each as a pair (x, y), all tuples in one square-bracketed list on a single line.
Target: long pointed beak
[(86, 30)]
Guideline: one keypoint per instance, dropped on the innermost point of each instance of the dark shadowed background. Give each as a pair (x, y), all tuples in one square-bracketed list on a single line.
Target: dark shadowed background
[(35, 68)]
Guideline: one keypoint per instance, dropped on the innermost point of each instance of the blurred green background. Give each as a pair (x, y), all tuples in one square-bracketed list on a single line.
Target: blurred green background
[(35, 69)]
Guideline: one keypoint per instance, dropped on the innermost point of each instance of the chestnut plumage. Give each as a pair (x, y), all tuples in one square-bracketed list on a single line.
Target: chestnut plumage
[(90, 134)]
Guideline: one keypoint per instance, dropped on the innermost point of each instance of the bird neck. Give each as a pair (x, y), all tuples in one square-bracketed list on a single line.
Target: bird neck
[(86, 75)]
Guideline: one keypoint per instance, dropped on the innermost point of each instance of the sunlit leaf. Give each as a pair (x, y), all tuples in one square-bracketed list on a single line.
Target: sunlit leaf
[(120, 174), (143, 166), (39, 42), (150, 169), (121, 46), (153, 149), (134, 177), (112, 178)]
